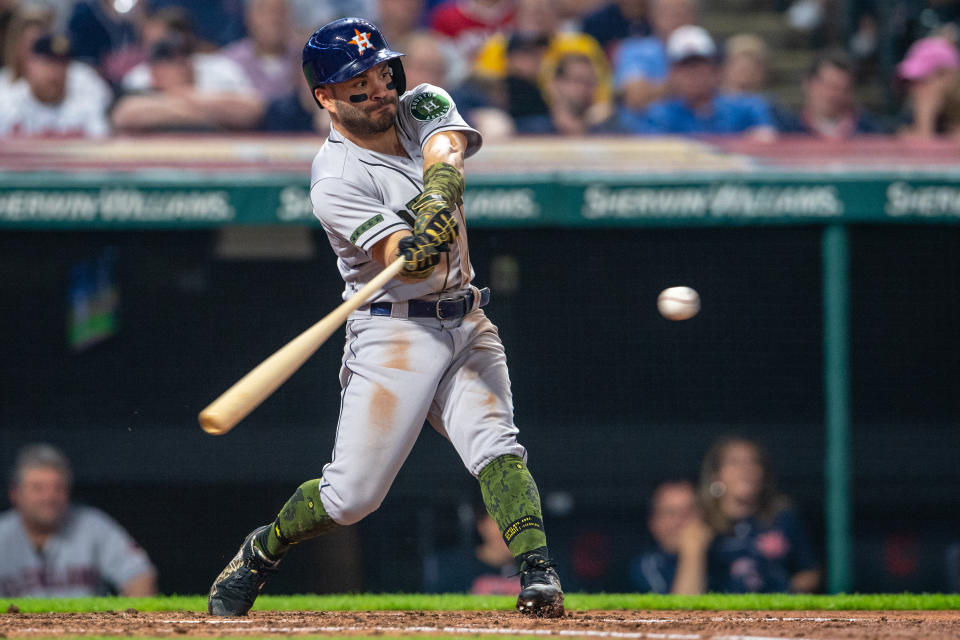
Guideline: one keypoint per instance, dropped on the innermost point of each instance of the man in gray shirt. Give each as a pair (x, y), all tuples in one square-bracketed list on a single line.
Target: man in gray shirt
[(51, 548)]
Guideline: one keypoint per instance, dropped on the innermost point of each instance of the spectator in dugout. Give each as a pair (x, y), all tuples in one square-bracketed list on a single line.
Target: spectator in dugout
[(695, 105), (42, 102), (178, 89), (829, 109), (757, 542), (676, 524), (51, 548)]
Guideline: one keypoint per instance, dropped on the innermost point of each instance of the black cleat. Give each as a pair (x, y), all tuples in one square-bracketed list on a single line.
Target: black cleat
[(239, 584), (540, 592)]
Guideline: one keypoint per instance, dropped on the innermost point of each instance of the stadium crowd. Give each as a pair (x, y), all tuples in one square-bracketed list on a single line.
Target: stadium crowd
[(538, 67)]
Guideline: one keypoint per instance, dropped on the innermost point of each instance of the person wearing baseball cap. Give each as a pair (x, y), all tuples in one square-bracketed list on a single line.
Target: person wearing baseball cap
[(931, 69), (43, 105), (695, 105)]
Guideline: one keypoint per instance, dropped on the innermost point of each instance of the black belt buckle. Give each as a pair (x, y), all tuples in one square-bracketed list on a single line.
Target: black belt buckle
[(439, 312)]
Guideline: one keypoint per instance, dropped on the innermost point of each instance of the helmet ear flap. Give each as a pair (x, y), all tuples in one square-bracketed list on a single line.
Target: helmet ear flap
[(399, 77)]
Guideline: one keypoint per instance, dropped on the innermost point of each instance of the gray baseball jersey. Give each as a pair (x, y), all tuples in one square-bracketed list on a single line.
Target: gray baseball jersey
[(360, 196), (399, 371), (90, 552)]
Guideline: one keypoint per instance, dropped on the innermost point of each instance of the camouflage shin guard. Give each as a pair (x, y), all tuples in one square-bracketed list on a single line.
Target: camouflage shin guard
[(513, 501), (302, 517)]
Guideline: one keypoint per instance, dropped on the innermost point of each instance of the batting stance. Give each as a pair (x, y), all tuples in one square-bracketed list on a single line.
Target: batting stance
[(388, 182)]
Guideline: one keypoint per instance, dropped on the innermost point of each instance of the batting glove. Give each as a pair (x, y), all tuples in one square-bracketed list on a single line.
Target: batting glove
[(420, 255)]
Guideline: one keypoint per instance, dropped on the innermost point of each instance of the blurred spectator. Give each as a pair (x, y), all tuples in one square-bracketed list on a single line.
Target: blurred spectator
[(470, 23), (308, 15), (761, 545), (532, 49), (181, 91), (42, 103), (217, 22), (695, 106), (571, 94), (931, 69), (7, 8), (425, 60), (50, 548), (514, 95), (104, 31), (400, 18), (297, 111), (673, 510), (829, 104), (744, 64), (640, 65), (615, 21), (487, 569), (271, 50)]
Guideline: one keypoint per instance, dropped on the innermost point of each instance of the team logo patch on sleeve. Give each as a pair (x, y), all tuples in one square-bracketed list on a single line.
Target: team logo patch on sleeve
[(366, 226), (429, 106)]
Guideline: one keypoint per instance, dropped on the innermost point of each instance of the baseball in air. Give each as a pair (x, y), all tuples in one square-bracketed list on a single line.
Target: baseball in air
[(678, 303)]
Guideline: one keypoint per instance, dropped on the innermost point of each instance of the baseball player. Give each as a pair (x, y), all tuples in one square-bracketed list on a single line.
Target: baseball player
[(388, 182)]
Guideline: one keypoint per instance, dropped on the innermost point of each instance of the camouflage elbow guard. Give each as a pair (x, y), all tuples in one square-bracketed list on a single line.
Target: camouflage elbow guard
[(442, 191)]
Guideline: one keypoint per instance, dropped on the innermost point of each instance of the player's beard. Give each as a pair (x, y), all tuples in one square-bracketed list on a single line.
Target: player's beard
[(363, 122)]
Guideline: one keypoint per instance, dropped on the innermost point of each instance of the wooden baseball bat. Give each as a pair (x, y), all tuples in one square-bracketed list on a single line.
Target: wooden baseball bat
[(246, 395)]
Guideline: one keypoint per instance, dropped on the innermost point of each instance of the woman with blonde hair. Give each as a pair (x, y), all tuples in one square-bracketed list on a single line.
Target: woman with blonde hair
[(753, 540)]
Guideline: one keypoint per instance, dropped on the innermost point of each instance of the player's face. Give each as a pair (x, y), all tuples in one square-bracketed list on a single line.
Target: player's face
[(376, 112), (42, 497)]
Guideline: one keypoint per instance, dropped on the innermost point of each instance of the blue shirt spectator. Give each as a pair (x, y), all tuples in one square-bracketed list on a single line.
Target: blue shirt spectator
[(724, 114), (640, 64), (644, 58), (760, 558), (695, 105)]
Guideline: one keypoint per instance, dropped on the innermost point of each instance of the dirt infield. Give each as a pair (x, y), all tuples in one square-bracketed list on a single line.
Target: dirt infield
[(654, 625)]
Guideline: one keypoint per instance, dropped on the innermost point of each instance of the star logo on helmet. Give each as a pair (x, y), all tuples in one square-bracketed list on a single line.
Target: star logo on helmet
[(362, 40)]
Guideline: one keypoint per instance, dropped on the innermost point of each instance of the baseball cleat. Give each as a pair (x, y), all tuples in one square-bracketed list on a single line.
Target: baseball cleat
[(540, 592), (239, 584)]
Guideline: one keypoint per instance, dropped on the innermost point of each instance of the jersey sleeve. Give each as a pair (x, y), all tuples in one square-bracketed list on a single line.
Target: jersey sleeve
[(353, 213), (119, 558), (427, 110)]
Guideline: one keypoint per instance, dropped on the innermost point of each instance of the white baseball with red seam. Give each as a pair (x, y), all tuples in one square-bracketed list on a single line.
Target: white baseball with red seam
[(678, 303)]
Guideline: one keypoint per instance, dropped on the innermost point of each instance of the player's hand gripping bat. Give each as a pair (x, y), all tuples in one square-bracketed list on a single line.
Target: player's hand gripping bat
[(246, 395)]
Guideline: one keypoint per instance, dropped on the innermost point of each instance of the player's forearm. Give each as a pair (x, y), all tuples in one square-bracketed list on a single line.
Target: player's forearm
[(447, 146), (386, 250)]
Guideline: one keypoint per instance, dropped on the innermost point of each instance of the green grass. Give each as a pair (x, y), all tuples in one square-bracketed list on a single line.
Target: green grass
[(453, 602)]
